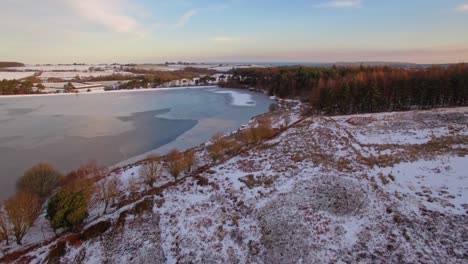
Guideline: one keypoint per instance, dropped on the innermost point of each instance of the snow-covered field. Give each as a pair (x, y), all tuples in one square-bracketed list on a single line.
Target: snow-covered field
[(381, 188), (73, 74), (15, 75), (60, 67)]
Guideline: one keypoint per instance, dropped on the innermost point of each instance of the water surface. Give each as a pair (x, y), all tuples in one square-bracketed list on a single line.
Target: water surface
[(69, 130)]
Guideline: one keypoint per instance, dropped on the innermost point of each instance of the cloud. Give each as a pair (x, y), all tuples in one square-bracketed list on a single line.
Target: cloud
[(106, 13), (185, 18), (224, 39), (463, 8), (341, 4)]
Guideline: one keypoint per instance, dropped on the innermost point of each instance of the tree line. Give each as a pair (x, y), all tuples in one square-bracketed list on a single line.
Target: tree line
[(6, 64), (66, 200), (348, 90), (12, 87)]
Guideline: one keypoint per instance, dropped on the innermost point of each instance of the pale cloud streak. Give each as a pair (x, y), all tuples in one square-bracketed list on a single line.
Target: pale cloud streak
[(109, 14), (463, 8), (185, 18), (341, 4), (222, 39)]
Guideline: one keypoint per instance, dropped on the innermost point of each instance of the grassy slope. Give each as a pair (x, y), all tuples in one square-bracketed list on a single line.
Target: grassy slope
[(382, 188)]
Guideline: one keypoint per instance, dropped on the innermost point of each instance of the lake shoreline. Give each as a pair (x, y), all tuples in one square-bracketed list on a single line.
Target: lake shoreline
[(119, 128), (112, 91)]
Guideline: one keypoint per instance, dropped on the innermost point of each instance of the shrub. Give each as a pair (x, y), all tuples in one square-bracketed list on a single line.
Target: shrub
[(41, 180), (264, 130), (67, 209), (189, 160), (175, 162), (150, 171), (216, 151), (133, 187), (247, 136), (23, 210), (384, 180), (221, 146)]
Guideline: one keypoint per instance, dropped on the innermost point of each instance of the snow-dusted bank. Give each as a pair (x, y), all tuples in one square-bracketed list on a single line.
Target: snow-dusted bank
[(317, 193), (108, 92), (15, 75)]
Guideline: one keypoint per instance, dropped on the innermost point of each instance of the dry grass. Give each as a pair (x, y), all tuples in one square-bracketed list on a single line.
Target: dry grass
[(251, 181)]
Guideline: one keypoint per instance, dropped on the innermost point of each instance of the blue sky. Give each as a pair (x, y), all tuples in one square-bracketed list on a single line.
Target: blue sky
[(95, 31)]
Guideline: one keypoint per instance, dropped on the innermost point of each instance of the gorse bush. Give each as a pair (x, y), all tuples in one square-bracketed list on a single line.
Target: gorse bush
[(67, 209)]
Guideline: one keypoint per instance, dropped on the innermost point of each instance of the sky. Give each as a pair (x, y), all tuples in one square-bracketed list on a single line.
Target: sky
[(155, 31)]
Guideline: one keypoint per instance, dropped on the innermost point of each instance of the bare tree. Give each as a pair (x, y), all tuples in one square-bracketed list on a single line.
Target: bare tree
[(22, 209), (4, 228), (150, 171), (108, 191)]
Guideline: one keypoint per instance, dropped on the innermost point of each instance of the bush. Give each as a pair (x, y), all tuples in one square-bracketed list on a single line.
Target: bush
[(175, 161), (41, 180), (23, 210), (67, 209), (247, 136), (190, 159), (264, 129), (150, 171), (221, 146)]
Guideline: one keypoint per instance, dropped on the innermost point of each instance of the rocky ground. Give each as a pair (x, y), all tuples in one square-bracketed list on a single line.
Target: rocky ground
[(374, 188)]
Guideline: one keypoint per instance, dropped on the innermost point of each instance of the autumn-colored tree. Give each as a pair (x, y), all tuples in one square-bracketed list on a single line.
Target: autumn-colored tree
[(150, 171), (41, 180), (67, 209), (348, 90), (108, 191), (4, 227), (83, 179), (22, 209), (175, 162)]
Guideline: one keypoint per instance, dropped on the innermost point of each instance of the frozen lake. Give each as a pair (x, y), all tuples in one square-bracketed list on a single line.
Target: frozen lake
[(69, 130)]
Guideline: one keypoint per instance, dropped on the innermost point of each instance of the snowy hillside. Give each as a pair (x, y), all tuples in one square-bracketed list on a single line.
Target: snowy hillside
[(374, 188)]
